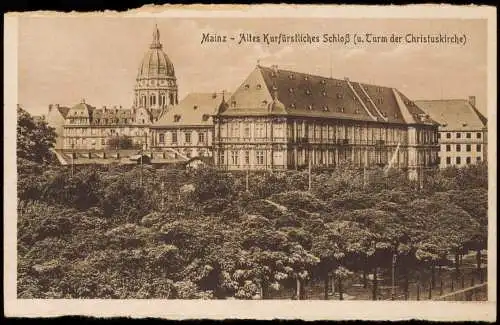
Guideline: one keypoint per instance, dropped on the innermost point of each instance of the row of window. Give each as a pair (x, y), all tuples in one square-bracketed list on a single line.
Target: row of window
[(162, 100), (234, 157), (458, 135), (458, 160), (187, 137), (468, 147)]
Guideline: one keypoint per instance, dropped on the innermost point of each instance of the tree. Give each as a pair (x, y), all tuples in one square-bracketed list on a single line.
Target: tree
[(34, 138), (121, 142)]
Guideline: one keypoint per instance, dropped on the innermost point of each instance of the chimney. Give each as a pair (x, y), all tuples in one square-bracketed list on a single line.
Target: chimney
[(472, 100), (50, 107), (56, 106), (275, 68)]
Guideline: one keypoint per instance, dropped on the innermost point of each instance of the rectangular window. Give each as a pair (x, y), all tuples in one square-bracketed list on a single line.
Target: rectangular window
[(236, 130), (448, 160), (187, 137), (478, 148), (478, 158), (259, 157), (448, 147), (201, 137), (467, 148), (478, 135), (234, 157), (299, 130), (246, 130), (458, 148), (247, 157), (162, 138), (439, 135), (438, 160), (103, 141), (448, 135), (468, 135), (317, 132), (259, 130), (174, 137), (467, 160), (459, 135), (221, 158), (458, 160)]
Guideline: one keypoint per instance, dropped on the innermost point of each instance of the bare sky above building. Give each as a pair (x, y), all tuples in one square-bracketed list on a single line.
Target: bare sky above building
[(62, 60)]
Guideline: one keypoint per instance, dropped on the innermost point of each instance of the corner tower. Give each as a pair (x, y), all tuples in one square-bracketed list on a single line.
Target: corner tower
[(156, 84)]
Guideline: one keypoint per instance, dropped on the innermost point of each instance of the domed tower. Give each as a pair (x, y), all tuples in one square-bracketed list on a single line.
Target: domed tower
[(156, 85)]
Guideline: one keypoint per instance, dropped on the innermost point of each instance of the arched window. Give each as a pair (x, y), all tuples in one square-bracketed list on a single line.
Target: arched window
[(171, 99), (143, 100), (162, 138)]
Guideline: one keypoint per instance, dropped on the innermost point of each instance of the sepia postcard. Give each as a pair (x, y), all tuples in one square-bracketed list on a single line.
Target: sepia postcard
[(307, 162)]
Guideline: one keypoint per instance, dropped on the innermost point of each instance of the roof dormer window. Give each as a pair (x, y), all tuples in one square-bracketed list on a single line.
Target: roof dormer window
[(291, 76), (309, 107), (177, 118), (306, 78), (291, 91), (323, 93), (195, 107), (325, 108), (259, 86), (205, 117), (233, 103), (340, 109), (308, 92), (322, 81), (214, 95), (247, 86), (292, 105), (340, 95)]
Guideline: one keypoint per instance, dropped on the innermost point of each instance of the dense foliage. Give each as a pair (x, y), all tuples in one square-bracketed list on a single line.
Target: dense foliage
[(102, 233), (34, 138), (99, 234), (122, 142)]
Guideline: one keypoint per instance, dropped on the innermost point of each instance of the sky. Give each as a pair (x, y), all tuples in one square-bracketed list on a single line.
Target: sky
[(66, 59)]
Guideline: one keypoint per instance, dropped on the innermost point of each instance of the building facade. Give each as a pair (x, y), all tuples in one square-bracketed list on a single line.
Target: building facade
[(187, 129), (280, 119), (463, 131), (85, 127)]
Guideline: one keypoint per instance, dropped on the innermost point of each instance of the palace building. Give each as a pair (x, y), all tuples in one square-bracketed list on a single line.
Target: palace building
[(84, 127), (187, 129), (276, 119), (279, 119), (463, 131)]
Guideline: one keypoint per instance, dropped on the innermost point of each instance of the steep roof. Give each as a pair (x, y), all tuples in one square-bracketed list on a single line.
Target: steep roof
[(454, 114), (196, 109), (63, 110), (80, 110), (301, 94)]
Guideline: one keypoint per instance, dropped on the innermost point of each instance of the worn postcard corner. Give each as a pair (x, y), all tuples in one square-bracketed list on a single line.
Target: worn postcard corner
[(252, 162)]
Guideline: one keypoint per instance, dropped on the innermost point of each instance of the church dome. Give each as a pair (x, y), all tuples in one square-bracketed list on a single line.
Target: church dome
[(156, 63)]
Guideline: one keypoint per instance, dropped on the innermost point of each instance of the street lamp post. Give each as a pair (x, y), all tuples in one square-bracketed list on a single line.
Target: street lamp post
[(309, 173), (393, 288), (72, 159)]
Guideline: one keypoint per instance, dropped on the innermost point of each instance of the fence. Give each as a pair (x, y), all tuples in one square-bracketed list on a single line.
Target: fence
[(474, 293)]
